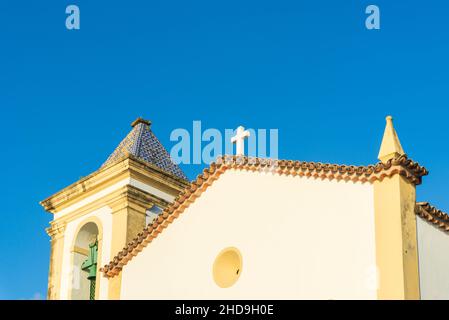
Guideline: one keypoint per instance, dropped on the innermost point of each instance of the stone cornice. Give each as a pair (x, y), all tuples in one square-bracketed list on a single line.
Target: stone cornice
[(56, 230), (129, 167), (142, 198)]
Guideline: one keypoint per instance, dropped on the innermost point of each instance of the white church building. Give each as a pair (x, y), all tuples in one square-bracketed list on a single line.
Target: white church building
[(246, 228)]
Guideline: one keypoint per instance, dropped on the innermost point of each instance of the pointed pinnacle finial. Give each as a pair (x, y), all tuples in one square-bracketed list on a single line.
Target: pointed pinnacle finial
[(391, 146), (140, 120)]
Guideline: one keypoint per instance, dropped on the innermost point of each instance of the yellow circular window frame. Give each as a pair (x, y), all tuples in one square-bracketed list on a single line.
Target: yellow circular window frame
[(227, 267)]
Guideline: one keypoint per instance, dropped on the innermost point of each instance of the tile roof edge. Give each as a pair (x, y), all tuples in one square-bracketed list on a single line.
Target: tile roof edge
[(434, 216), (409, 169)]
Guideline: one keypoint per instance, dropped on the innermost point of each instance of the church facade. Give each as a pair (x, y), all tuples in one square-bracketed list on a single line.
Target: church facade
[(246, 228)]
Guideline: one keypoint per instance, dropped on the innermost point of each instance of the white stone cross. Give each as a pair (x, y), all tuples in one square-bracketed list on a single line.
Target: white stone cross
[(239, 140)]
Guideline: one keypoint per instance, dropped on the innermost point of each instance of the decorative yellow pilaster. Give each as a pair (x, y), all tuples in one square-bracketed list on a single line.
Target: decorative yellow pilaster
[(119, 229), (115, 285), (56, 232), (128, 219), (395, 223)]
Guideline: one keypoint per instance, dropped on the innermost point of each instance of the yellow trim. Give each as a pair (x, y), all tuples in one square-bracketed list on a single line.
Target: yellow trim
[(129, 167), (396, 242), (119, 230), (114, 288), (56, 233), (82, 251)]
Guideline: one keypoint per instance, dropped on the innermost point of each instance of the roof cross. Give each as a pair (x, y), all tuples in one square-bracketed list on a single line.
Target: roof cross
[(239, 140)]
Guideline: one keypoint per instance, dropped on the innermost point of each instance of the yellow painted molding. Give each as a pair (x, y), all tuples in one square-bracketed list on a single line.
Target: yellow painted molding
[(54, 273), (86, 187), (396, 241), (125, 197), (114, 288), (79, 250), (129, 167)]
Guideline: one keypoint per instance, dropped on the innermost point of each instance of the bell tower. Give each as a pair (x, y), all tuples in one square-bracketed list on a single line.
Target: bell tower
[(95, 217)]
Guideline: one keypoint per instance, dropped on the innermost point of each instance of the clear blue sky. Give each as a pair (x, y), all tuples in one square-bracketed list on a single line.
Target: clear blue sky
[(308, 68)]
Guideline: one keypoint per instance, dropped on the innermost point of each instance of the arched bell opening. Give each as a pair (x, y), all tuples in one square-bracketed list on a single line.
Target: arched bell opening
[(85, 262)]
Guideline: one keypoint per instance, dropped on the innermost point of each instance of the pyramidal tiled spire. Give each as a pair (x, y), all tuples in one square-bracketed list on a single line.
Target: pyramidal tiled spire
[(143, 144)]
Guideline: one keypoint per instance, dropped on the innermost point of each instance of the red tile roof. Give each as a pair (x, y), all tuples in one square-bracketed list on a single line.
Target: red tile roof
[(410, 170), (433, 215)]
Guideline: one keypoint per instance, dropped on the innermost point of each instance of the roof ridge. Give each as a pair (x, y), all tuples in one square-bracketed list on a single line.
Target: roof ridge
[(139, 128), (410, 170)]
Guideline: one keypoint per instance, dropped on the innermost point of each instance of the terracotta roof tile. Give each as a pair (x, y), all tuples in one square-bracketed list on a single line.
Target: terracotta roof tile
[(410, 170), (433, 215)]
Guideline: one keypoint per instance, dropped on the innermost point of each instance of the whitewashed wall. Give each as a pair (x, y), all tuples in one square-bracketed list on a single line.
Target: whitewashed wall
[(433, 250), (299, 238)]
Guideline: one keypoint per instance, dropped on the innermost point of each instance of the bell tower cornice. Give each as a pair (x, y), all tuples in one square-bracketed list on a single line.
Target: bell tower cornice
[(126, 169), (111, 204)]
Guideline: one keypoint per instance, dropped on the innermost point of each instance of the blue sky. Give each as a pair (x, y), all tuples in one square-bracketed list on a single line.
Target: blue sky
[(308, 68)]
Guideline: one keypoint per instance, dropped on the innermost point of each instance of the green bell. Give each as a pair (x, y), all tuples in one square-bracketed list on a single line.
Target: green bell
[(90, 265)]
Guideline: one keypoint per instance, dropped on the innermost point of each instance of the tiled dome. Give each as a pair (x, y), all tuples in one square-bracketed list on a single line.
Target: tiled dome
[(143, 144)]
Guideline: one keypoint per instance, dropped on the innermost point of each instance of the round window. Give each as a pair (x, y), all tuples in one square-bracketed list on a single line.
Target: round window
[(227, 267)]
